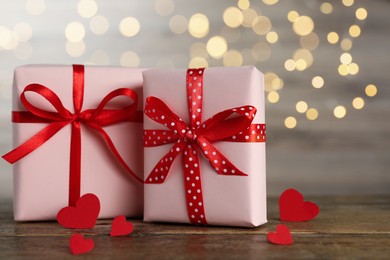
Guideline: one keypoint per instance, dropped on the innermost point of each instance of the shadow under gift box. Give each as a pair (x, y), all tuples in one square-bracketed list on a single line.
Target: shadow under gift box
[(228, 200), (41, 179)]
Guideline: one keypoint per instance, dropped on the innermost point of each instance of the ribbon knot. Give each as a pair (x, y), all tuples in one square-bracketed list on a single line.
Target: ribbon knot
[(93, 118), (233, 124), (190, 136)]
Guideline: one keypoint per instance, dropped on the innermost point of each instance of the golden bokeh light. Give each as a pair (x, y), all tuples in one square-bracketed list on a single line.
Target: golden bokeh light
[(358, 103), (23, 31), (371, 90), (99, 25), (346, 44), (35, 7), (343, 69), (233, 17), (312, 114), (100, 57), (348, 2), (129, 26), (198, 62), (353, 68), (10, 42), (75, 32), (333, 37), (164, 7), (198, 26), (129, 59), (272, 82), (310, 41), (261, 51), (345, 58), (301, 107), (354, 31), (317, 82), (277, 83), (272, 37), (75, 49), (301, 64), (305, 55), (361, 13), (339, 111), (292, 16), (273, 97), (289, 65), (326, 8), (243, 4), (270, 2), (232, 58), (303, 25), (290, 122), (216, 47), (5, 36), (178, 24), (261, 25), (249, 16), (87, 8)]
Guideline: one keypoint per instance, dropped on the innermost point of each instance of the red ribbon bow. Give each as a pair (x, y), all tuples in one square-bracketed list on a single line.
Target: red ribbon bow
[(93, 118), (229, 125)]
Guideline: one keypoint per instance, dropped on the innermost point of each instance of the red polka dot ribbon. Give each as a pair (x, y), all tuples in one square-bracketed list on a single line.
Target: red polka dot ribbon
[(233, 125)]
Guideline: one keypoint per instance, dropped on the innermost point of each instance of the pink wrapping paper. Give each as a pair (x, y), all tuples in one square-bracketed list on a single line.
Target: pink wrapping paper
[(41, 179), (228, 200)]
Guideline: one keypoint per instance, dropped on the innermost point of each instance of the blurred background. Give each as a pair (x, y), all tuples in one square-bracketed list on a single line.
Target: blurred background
[(326, 67)]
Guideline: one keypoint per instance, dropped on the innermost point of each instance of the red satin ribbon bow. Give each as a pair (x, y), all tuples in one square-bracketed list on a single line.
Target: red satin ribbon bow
[(229, 125), (93, 118)]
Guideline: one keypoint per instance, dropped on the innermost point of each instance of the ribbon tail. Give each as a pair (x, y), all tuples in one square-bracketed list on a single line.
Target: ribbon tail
[(34, 142), (193, 186), (115, 152), (161, 170), (75, 164), (217, 160)]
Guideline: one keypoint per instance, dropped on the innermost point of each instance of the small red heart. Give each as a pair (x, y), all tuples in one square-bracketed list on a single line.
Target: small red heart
[(83, 215), (120, 227), (293, 208), (282, 236), (79, 245)]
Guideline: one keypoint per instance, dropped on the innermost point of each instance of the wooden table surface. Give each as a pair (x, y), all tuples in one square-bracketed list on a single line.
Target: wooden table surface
[(348, 227)]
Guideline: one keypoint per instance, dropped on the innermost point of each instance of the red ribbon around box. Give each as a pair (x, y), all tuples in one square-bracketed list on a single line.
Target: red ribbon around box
[(93, 118), (233, 125)]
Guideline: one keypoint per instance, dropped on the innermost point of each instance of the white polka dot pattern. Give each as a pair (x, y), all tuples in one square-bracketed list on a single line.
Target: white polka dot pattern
[(229, 125)]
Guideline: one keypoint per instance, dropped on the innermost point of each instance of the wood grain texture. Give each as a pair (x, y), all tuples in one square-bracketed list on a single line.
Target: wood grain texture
[(348, 227)]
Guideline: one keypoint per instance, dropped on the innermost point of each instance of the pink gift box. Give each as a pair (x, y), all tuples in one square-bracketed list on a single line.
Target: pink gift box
[(227, 200), (41, 179)]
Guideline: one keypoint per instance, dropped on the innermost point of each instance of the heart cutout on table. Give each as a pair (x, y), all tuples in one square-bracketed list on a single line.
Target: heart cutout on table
[(83, 215), (120, 227), (293, 208), (80, 245), (281, 236)]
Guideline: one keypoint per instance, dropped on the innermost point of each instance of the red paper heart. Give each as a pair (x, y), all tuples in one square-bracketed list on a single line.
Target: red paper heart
[(79, 245), (282, 236), (120, 227), (84, 215), (293, 208)]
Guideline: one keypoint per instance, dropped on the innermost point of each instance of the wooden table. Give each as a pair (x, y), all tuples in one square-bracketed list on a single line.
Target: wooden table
[(352, 227)]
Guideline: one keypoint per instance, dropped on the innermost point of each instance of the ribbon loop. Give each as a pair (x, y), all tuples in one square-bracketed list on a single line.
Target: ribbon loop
[(62, 113)]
